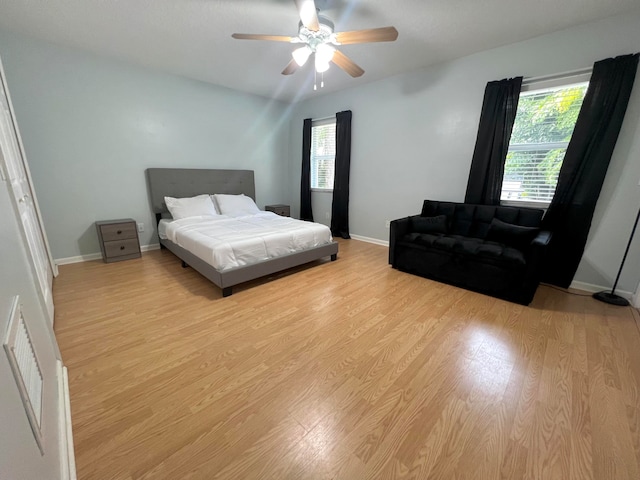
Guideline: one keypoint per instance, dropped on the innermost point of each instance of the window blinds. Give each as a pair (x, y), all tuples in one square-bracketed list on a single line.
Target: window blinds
[(323, 154), (543, 127)]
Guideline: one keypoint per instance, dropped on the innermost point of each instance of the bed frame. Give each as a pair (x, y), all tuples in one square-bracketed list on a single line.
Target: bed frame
[(187, 182)]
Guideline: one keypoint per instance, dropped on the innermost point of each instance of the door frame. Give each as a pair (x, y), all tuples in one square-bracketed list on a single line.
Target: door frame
[(5, 87)]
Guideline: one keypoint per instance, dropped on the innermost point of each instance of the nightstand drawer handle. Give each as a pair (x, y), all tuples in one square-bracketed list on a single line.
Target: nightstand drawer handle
[(119, 232), (122, 247)]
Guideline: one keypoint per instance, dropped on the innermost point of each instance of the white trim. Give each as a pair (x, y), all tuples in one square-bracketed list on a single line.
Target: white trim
[(97, 256), (318, 122), (555, 80), (78, 259), (375, 241), (67, 455), (589, 287), (34, 199), (525, 203), (635, 300)]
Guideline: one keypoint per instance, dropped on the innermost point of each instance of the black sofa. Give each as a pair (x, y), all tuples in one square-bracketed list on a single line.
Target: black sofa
[(490, 249)]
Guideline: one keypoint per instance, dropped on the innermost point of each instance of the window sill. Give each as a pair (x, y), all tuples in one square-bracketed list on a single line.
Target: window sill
[(322, 190), (524, 203)]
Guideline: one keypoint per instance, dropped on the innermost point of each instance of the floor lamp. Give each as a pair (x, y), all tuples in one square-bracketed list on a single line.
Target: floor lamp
[(611, 297)]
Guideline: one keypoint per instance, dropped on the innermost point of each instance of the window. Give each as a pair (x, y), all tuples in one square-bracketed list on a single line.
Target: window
[(323, 153), (543, 127)]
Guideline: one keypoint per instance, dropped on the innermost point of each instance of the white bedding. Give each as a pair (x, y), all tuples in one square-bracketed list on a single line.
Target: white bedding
[(226, 242)]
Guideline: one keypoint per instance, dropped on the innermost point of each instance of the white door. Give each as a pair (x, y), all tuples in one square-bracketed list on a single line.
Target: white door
[(14, 166)]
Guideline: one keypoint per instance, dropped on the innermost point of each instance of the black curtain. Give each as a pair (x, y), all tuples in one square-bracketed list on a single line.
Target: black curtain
[(585, 165), (496, 123), (306, 213), (340, 205)]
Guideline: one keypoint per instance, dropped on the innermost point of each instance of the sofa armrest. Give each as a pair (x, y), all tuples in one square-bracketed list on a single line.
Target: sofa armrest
[(537, 252), (398, 229), (535, 261), (542, 239), (540, 242)]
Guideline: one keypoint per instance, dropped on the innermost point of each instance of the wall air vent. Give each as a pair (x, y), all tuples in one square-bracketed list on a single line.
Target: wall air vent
[(26, 371)]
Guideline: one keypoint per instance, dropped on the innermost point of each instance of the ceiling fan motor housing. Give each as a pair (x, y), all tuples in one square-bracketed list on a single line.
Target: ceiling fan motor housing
[(323, 35)]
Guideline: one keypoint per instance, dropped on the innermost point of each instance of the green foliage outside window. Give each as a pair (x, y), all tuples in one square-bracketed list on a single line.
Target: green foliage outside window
[(543, 117)]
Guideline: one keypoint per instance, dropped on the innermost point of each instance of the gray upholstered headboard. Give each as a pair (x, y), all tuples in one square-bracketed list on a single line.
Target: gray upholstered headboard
[(188, 182)]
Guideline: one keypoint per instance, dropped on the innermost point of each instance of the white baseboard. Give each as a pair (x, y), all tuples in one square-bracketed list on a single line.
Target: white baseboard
[(375, 241), (67, 455), (78, 259), (97, 256), (589, 287)]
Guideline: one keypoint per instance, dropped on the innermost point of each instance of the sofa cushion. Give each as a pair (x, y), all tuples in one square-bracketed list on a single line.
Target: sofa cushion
[(437, 224), (475, 220), (515, 236), (486, 251)]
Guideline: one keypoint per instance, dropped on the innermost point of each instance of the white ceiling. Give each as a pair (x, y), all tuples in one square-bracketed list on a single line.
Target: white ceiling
[(192, 38)]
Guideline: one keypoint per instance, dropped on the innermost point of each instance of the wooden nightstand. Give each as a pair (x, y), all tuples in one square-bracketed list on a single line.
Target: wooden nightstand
[(118, 239), (280, 209)]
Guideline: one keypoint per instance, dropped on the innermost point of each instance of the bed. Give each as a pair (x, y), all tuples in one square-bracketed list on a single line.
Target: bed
[(184, 183)]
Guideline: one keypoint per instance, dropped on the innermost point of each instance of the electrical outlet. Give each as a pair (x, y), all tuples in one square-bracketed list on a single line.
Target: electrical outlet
[(387, 223), (140, 227)]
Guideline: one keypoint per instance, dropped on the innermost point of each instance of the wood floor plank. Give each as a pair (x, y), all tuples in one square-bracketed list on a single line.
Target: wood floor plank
[(341, 370)]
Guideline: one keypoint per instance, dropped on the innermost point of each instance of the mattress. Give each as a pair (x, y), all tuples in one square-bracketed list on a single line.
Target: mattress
[(226, 242), (162, 228)]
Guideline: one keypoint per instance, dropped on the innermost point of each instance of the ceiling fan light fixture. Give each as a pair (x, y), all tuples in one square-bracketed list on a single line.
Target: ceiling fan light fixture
[(321, 67), (324, 53), (301, 55), (317, 36)]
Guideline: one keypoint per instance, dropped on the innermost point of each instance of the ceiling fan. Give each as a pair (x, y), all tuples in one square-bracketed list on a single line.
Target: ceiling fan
[(317, 36)]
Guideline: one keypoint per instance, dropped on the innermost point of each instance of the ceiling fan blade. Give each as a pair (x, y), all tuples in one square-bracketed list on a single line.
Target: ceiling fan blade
[(384, 34), (290, 68), (272, 38), (346, 64), (308, 14)]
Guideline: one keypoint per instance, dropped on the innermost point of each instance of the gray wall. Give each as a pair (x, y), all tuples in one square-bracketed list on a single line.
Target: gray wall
[(91, 126), (413, 137), (19, 454)]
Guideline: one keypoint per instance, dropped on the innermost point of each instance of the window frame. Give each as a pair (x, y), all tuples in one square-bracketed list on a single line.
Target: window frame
[(319, 123), (566, 80)]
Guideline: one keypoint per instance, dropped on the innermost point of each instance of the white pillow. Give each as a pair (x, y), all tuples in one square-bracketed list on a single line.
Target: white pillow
[(236, 205), (190, 207)]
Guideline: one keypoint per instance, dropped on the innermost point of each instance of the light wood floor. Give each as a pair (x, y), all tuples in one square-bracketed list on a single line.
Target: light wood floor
[(347, 370)]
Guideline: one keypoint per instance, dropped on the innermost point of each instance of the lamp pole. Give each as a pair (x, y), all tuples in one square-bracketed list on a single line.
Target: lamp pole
[(611, 297)]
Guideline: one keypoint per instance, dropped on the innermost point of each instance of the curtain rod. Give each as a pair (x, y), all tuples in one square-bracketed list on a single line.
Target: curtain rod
[(572, 73)]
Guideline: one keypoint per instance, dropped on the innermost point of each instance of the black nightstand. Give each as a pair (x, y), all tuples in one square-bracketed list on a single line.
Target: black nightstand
[(280, 209)]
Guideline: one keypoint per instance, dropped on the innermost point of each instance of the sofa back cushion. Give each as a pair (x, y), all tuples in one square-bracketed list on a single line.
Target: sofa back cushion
[(471, 220), (515, 236), (437, 224)]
